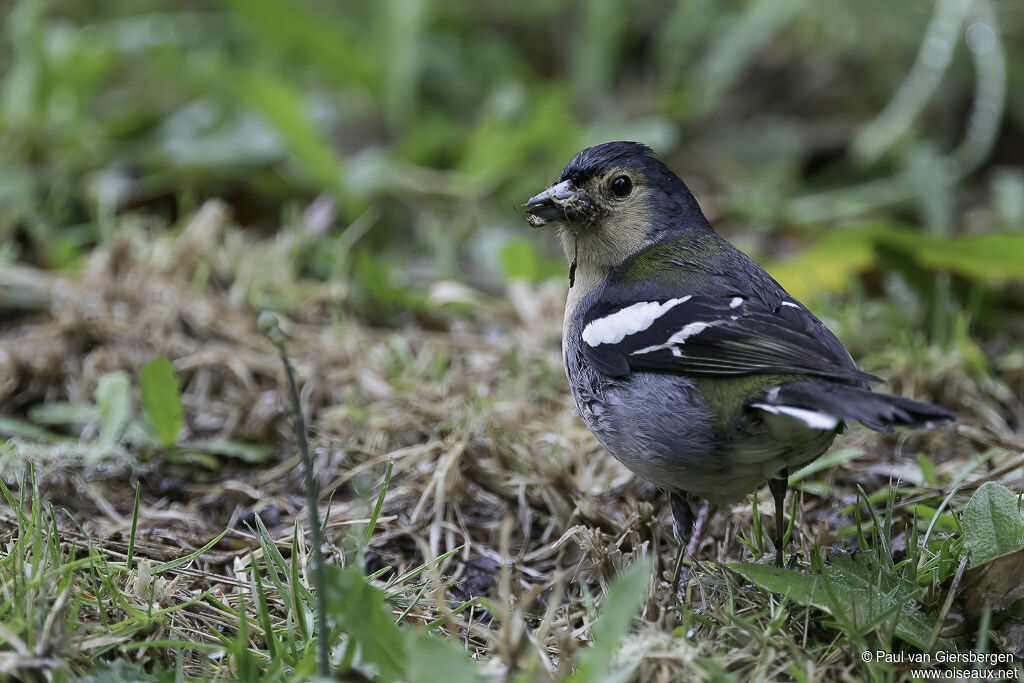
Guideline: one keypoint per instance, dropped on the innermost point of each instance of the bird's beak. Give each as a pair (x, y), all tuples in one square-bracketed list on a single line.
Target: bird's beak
[(560, 202)]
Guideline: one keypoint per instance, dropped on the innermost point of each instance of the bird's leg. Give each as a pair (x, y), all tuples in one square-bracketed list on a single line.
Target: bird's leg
[(682, 528), (688, 528), (778, 488)]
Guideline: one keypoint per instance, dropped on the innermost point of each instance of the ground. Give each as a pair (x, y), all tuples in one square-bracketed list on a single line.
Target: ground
[(491, 471)]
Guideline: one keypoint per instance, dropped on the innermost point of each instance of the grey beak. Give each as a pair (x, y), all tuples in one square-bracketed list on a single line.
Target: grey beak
[(549, 204)]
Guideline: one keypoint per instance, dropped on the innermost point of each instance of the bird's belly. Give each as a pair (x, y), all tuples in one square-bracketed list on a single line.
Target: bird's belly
[(658, 427)]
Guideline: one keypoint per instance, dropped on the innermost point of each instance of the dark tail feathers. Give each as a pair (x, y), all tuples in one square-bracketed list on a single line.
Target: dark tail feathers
[(880, 412)]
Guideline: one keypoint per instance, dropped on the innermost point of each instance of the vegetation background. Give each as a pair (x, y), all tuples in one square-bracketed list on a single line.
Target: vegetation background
[(170, 169)]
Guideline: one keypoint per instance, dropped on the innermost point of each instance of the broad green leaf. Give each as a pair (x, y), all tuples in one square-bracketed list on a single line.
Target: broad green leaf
[(945, 520), (161, 399), (113, 396), (992, 523), (837, 257), (829, 265), (857, 591), (625, 596), (431, 658), (620, 606), (361, 611), (985, 256)]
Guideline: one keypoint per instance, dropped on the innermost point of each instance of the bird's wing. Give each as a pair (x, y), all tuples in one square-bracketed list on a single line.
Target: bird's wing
[(717, 335)]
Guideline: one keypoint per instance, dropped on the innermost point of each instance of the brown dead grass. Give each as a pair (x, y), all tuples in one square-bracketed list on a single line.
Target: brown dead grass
[(489, 457)]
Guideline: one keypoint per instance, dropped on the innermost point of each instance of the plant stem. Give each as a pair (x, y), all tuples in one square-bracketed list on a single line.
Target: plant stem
[(268, 324)]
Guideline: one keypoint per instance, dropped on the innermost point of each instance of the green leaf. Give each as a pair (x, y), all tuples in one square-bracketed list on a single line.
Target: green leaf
[(13, 427), (985, 256), (361, 611), (249, 452), (825, 462), (927, 469), (856, 590), (835, 258), (174, 564), (161, 399), (184, 456), (625, 596), (828, 265), (113, 395), (122, 671), (63, 413), (926, 512), (992, 523), (431, 658)]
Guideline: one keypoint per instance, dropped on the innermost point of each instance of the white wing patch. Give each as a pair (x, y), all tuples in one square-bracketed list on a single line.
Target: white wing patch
[(688, 331), (790, 304), (613, 328), (736, 301), (679, 337), (811, 418)]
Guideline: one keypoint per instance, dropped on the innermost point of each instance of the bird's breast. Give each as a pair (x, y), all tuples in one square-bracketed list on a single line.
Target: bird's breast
[(661, 427)]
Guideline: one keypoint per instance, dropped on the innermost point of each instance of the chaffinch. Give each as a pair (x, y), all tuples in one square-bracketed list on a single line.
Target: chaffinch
[(687, 361)]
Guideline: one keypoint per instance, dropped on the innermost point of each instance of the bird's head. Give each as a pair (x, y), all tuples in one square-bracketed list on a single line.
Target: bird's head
[(613, 200)]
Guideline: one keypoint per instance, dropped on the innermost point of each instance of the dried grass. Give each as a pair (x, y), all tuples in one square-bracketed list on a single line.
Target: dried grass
[(489, 457)]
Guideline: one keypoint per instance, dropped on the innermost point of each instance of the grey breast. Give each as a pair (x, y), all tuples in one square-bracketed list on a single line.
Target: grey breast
[(656, 425), (653, 423)]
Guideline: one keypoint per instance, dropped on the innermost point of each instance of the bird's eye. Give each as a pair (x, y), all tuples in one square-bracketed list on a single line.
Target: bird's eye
[(621, 186)]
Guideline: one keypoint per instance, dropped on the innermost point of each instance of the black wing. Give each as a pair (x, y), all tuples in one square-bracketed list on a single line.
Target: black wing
[(714, 336)]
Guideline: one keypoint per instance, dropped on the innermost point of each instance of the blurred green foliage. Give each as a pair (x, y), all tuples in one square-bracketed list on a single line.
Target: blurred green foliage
[(161, 399), (432, 120)]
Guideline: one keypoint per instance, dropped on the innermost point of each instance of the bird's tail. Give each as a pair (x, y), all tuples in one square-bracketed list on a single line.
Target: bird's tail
[(823, 405)]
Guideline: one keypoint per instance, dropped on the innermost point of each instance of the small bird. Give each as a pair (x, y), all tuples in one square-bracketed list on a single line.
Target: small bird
[(687, 361)]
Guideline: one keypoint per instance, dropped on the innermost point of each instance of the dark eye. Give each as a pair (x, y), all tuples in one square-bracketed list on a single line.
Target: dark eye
[(621, 186)]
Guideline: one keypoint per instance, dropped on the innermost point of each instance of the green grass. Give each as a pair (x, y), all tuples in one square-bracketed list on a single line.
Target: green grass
[(426, 446), (70, 607), (927, 555)]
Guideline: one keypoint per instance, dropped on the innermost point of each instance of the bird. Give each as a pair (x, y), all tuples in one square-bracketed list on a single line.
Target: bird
[(690, 364)]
